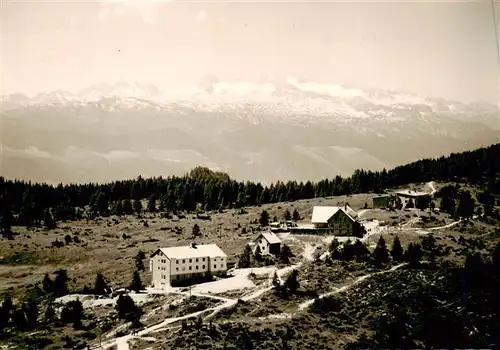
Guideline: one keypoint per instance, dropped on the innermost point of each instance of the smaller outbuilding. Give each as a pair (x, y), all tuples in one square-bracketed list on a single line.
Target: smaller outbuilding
[(268, 243), (420, 200), (381, 201)]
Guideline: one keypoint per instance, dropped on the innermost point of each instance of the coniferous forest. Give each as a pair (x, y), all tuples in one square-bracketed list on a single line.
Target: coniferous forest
[(26, 203)]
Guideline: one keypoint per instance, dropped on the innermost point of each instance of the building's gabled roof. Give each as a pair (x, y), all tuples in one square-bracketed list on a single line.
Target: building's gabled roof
[(321, 214), (188, 251), (270, 237)]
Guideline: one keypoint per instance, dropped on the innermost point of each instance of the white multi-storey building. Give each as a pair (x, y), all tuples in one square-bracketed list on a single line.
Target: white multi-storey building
[(178, 265)]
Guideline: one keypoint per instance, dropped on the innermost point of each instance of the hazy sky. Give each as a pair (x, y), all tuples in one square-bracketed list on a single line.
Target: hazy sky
[(431, 48)]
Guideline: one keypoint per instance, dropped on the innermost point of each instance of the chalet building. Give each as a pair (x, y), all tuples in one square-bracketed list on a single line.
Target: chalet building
[(339, 221), (420, 199), (380, 202), (268, 243), (178, 266)]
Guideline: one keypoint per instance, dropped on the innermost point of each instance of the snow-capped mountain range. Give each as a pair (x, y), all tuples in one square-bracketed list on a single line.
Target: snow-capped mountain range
[(291, 95), (293, 129)]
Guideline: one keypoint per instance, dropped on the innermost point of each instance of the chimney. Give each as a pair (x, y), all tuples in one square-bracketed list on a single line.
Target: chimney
[(193, 245)]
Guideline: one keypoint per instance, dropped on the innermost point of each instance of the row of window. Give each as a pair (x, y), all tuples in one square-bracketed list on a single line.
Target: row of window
[(196, 268), (196, 260), (164, 261)]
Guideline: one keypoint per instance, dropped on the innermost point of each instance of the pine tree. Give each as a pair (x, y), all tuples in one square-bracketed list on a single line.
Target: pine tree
[(292, 282), (5, 312), (295, 215), (47, 284), (285, 254), (334, 247), (139, 264), (73, 312), (60, 285), (196, 230), (100, 285), (136, 284), (361, 252), (127, 207), (348, 250), (118, 208), (264, 219), (152, 204), (137, 206), (381, 254), (413, 254), (359, 230), (397, 252), (429, 245), (78, 314), (48, 220), (245, 258), (6, 221), (286, 215), (447, 205), (31, 312), (466, 203), (126, 309)]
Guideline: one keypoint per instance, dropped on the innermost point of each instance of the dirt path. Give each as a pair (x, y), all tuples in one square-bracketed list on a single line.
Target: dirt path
[(308, 303), (431, 185), (444, 226), (122, 343)]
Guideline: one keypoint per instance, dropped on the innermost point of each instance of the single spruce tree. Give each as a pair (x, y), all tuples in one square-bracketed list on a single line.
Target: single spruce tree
[(286, 215), (139, 258), (397, 251), (413, 254), (47, 284), (245, 259), (264, 219), (381, 254), (48, 220), (127, 206), (100, 285), (196, 232), (60, 285), (152, 203), (292, 282), (285, 254), (136, 284)]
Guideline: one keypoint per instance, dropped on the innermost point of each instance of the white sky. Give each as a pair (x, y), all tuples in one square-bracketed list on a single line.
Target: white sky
[(432, 48)]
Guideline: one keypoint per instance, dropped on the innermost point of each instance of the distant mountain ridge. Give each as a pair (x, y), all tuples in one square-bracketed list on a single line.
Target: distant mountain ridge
[(290, 94), (257, 131)]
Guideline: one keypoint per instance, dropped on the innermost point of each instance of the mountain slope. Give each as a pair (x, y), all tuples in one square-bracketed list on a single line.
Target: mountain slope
[(260, 132)]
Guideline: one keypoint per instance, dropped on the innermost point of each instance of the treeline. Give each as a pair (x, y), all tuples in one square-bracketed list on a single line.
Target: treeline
[(208, 190)]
